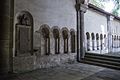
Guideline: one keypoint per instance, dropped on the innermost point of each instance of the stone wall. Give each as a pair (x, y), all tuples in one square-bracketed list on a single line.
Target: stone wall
[(55, 40), (52, 12), (52, 31), (52, 47), (29, 63)]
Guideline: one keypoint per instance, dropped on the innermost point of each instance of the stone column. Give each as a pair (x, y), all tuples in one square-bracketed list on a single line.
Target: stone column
[(6, 38), (109, 19), (81, 9)]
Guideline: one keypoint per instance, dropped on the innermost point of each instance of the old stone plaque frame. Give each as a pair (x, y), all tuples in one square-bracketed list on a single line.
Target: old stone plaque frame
[(23, 40)]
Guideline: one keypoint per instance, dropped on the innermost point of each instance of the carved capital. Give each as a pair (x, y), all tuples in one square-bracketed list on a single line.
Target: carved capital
[(110, 18), (81, 7), (83, 2)]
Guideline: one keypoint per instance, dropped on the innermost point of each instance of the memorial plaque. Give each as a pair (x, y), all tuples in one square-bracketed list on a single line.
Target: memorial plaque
[(24, 39)]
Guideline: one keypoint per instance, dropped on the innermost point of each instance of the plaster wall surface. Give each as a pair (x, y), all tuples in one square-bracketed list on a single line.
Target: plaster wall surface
[(115, 27), (60, 13), (95, 22)]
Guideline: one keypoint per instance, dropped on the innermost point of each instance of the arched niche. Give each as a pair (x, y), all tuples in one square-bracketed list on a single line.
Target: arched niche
[(112, 41), (117, 41), (72, 40), (93, 41), (65, 39), (56, 36), (105, 41), (88, 40), (104, 36), (101, 41), (115, 38), (23, 33), (45, 39), (97, 40)]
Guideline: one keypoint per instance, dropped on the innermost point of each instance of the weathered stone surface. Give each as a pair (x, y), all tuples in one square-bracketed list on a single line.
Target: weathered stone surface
[(23, 64), (55, 12), (28, 63)]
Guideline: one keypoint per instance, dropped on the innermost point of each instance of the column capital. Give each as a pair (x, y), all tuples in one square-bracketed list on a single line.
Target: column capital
[(81, 7), (110, 18)]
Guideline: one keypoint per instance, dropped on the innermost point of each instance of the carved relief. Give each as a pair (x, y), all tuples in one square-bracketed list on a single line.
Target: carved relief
[(24, 19)]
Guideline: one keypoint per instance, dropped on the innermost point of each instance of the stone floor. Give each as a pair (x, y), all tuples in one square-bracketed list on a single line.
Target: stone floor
[(76, 71)]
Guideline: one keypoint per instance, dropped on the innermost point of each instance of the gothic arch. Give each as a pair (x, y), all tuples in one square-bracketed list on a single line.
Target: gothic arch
[(65, 35), (72, 33), (88, 40), (45, 39), (23, 33), (56, 35), (93, 41)]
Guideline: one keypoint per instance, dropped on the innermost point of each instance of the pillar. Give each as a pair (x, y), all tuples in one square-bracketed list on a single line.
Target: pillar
[(6, 31), (109, 19), (81, 9)]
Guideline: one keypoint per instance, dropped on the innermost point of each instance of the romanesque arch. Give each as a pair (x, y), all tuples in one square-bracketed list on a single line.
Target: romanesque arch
[(56, 35), (88, 40), (72, 41), (101, 41), (97, 40), (105, 41), (45, 39), (65, 39), (23, 33), (119, 41), (93, 41), (112, 41)]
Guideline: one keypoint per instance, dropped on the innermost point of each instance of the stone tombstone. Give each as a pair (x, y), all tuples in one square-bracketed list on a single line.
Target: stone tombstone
[(24, 39), (24, 33)]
